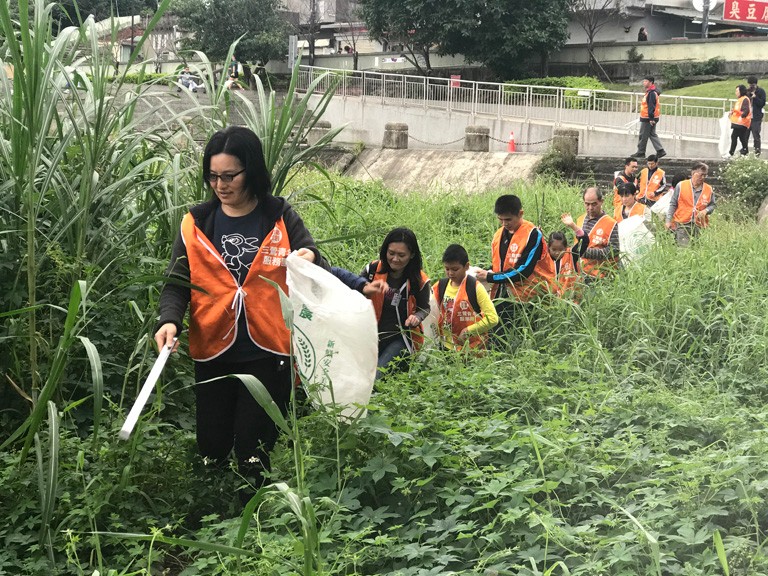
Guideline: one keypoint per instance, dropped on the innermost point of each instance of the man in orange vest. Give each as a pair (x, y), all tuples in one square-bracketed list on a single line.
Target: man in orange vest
[(522, 267), (691, 204), (652, 182), (650, 111), (625, 177), (602, 255)]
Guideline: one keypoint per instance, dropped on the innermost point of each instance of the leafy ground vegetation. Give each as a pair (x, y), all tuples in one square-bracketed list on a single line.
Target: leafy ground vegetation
[(620, 435)]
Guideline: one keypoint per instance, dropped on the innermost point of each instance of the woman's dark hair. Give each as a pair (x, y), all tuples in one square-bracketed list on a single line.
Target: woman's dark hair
[(742, 90), (244, 145), (558, 236), (412, 270)]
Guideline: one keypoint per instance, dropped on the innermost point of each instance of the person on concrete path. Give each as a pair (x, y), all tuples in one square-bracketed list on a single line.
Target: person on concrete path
[(522, 269), (626, 176), (757, 96), (602, 254), (652, 182), (692, 202), (741, 120), (650, 112)]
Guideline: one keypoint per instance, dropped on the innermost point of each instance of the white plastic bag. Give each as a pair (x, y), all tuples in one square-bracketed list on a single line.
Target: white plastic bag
[(724, 145), (430, 327), (662, 205), (335, 337), (635, 240)]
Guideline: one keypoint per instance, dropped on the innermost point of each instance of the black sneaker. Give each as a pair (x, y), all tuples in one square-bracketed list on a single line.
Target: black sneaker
[(638, 155), (660, 154)]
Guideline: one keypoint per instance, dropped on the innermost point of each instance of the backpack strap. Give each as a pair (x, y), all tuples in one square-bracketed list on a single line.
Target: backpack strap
[(371, 270), (472, 293), (441, 286)]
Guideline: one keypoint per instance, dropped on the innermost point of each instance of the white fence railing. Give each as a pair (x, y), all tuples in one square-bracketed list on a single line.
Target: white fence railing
[(681, 116)]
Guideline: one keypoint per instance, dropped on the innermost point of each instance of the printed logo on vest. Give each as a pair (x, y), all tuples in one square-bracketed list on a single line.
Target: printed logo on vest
[(277, 236)]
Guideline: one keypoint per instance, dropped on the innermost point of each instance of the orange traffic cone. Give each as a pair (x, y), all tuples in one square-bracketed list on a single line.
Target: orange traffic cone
[(511, 145)]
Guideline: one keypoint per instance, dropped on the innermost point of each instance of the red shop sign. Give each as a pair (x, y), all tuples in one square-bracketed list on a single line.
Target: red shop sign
[(746, 11)]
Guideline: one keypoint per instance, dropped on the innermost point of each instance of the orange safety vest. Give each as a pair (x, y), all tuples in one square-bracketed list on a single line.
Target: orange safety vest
[(686, 212), (599, 237), (644, 112), (417, 333), (736, 113), (540, 281), (649, 188), (616, 196), (213, 314), (568, 274), (637, 209), (462, 315)]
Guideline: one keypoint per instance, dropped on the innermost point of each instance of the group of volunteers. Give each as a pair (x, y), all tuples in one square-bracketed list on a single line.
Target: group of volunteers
[(228, 245)]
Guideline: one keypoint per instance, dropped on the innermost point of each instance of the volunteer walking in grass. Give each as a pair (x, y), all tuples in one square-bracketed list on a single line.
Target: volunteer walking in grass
[(627, 175), (466, 309), (403, 306), (225, 247), (521, 269), (691, 204), (567, 260), (602, 254), (652, 182)]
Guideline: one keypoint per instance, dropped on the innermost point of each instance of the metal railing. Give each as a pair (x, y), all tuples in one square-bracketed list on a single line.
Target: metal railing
[(681, 116)]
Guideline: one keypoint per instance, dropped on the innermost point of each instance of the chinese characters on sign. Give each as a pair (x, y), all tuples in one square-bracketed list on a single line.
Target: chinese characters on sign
[(746, 11)]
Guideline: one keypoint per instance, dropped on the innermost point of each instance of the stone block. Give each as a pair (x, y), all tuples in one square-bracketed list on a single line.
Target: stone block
[(395, 136), (476, 139)]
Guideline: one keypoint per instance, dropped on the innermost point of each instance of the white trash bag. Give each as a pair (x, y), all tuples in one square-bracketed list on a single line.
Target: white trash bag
[(724, 144), (635, 240), (662, 205), (335, 337), (430, 326)]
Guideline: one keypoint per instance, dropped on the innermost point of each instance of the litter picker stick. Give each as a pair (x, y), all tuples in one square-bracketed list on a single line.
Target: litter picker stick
[(146, 390)]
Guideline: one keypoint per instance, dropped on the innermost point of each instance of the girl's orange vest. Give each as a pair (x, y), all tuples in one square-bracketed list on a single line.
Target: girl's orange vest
[(540, 281), (214, 313), (417, 333), (599, 237), (636, 210), (685, 209), (463, 315), (568, 275), (736, 113), (649, 188)]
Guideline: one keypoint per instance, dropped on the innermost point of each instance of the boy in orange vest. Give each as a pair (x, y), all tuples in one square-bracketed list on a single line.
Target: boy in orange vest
[(522, 267), (652, 182), (690, 206), (466, 309)]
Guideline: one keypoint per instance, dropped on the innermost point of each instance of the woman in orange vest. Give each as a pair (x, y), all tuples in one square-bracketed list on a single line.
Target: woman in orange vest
[(741, 120), (403, 306), (225, 249)]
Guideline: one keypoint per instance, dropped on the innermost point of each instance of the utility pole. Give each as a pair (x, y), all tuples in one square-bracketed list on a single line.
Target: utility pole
[(312, 24), (705, 20)]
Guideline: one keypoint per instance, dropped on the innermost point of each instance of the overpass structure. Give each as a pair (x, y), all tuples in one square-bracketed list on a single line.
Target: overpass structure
[(438, 110)]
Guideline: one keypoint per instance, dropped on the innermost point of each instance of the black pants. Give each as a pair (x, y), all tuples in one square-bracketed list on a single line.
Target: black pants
[(229, 417), (757, 124), (740, 133)]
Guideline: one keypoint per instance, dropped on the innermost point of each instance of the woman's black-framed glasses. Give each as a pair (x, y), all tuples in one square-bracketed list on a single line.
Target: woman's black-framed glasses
[(226, 178)]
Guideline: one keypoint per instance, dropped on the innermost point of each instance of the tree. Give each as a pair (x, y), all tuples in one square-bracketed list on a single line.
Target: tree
[(349, 14), (215, 24), (505, 34), (416, 24), (592, 15)]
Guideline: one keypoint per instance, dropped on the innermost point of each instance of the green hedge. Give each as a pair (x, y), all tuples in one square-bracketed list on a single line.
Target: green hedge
[(574, 83), (747, 180)]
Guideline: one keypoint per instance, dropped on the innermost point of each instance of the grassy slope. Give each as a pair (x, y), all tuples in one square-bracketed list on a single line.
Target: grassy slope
[(718, 89), (617, 438)]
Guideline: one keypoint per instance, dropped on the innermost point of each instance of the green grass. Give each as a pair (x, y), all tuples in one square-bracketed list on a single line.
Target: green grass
[(717, 89)]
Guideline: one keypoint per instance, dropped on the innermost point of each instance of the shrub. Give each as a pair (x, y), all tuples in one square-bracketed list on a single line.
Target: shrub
[(747, 180), (711, 66), (572, 97), (633, 56), (673, 76)]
